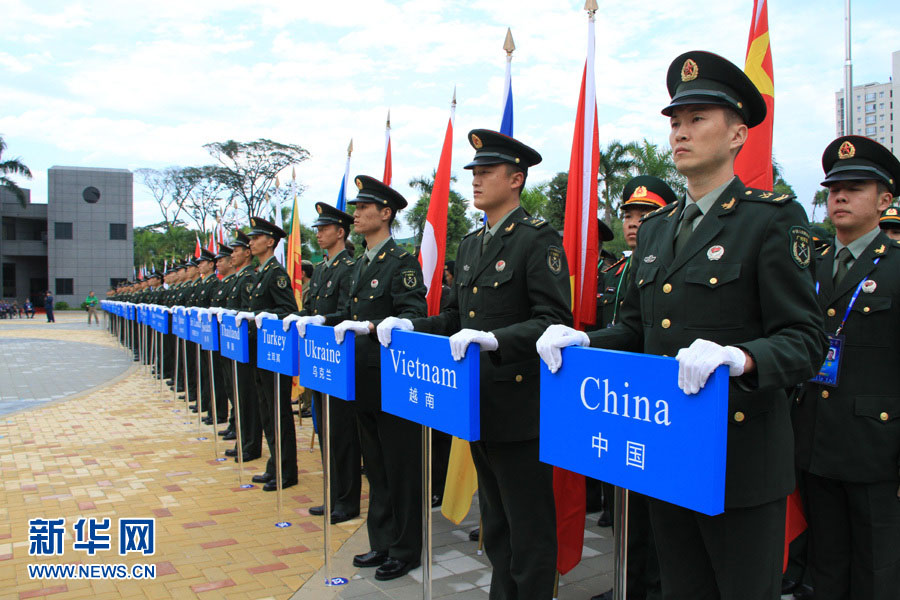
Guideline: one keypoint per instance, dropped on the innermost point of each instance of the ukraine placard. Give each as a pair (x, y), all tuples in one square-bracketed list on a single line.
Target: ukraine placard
[(325, 365)]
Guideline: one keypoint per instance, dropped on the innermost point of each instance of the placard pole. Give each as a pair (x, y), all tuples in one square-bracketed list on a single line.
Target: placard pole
[(278, 481), (175, 374), (161, 372), (620, 536), (426, 512), (184, 375), (326, 463), (212, 403), (237, 424), (199, 400)]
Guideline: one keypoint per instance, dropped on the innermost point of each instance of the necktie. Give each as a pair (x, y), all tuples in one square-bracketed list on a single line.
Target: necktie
[(691, 212), (486, 240), (843, 261)]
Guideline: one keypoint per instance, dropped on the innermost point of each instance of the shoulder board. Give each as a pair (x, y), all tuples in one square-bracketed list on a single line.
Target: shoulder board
[(614, 265), (535, 222), (824, 251), (662, 210), (404, 253), (474, 231), (349, 262), (764, 196)]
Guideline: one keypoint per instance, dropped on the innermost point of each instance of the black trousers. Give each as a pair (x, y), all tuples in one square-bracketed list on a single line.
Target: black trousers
[(193, 372), (440, 458), (392, 450), (518, 518), (736, 555), (855, 537), (224, 374), (251, 427), (346, 479), (265, 382)]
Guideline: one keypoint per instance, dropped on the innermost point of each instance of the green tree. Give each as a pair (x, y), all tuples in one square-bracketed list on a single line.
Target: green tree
[(779, 185), (615, 165), (555, 209), (458, 222), (534, 200), (13, 166), (160, 242), (649, 159), (820, 198)]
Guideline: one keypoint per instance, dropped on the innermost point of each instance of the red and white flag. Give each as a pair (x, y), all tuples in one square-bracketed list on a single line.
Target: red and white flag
[(198, 247), (388, 160), (434, 237)]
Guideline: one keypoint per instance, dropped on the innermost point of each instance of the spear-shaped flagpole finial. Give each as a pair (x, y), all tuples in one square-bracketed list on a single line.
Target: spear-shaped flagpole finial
[(591, 7), (454, 96), (508, 44), (389, 119), (350, 147), (294, 173)]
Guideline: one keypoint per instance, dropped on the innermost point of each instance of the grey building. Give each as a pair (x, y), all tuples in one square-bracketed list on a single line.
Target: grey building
[(874, 114), (81, 240)]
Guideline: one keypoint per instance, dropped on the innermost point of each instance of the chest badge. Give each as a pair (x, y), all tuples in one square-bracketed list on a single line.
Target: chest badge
[(374, 283), (649, 258), (869, 286), (465, 267), (501, 264), (328, 284), (715, 253)]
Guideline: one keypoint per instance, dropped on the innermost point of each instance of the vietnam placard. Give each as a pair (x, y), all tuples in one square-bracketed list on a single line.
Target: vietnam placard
[(421, 382), (325, 365), (276, 349), (234, 339), (209, 333), (620, 417)]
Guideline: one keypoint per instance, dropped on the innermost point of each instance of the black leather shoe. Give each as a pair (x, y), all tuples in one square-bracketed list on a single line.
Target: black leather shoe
[(370, 559), (231, 452), (804, 592), (207, 421), (607, 595), (264, 478), (225, 432), (272, 485), (474, 534), (788, 586), (248, 457), (605, 519), (229, 435), (317, 511), (435, 501), (340, 516), (393, 568)]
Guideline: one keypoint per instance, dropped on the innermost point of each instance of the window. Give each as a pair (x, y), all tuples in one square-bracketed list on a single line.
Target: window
[(91, 195), (870, 97), (118, 231), (870, 119), (881, 94), (870, 108), (9, 228), (63, 230), (65, 286), (870, 131)]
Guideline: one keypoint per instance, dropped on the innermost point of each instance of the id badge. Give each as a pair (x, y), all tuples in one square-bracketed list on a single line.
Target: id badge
[(830, 369)]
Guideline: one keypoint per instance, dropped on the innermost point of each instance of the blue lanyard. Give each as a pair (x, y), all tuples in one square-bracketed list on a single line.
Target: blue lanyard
[(852, 299)]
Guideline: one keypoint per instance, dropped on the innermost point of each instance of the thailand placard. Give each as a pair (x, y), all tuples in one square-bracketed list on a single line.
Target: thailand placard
[(325, 365), (209, 332), (621, 418), (234, 339), (276, 349), (421, 382)]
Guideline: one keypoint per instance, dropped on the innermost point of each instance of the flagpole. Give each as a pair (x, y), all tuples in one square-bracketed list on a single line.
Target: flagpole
[(388, 159), (848, 74)]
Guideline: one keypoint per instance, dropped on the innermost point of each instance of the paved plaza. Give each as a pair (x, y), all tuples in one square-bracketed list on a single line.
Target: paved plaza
[(85, 432)]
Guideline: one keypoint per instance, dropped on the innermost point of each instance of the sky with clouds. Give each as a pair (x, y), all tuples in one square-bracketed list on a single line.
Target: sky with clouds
[(135, 84)]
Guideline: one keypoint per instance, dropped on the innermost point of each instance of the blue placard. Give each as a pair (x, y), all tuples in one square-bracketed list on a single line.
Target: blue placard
[(325, 365), (421, 382), (621, 418), (193, 326), (235, 340), (131, 311), (276, 349), (179, 324), (209, 332), (162, 320)]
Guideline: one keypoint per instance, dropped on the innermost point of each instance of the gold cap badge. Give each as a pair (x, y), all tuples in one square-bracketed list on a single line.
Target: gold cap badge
[(847, 150), (640, 192), (476, 142), (358, 183), (689, 71), (252, 222), (319, 208), (891, 212)]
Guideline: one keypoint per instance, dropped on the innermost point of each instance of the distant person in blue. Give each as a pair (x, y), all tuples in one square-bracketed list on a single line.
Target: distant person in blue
[(48, 306), (28, 307)]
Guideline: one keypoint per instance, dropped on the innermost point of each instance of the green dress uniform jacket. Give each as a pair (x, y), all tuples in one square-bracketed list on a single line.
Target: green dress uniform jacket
[(744, 279), (272, 291), (516, 289), (329, 286), (616, 278)]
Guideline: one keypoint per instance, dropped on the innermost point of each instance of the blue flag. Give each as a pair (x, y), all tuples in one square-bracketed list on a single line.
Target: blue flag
[(506, 124), (342, 198)]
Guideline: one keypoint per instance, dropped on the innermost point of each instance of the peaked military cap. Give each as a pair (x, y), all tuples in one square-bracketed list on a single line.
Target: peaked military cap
[(890, 218), (858, 158), (262, 227), (240, 239), (329, 215), (493, 148), (155, 275), (191, 262), (699, 77), (205, 255), (373, 191), (646, 191), (604, 233), (224, 251)]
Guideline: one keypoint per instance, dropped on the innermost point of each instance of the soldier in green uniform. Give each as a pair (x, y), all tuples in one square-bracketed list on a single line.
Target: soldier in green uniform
[(511, 283), (890, 223), (386, 281), (202, 298), (217, 302), (642, 194), (238, 299), (272, 297), (722, 277), (847, 421), (189, 292), (329, 291)]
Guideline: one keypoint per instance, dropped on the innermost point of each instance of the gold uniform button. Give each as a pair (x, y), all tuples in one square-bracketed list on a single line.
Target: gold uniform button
[(475, 290), (471, 314), (667, 288), (519, 380), (496, 284), (713, 280), (370, 297), (825, 393), (666, 323), (739, 417), (866, 309), (641, 282), (831, 312), (356, 299), (356, 317), (884, 416)]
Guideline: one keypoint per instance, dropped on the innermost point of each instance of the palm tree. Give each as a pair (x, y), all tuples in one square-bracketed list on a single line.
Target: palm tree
[(12, 167), (615, 163), (650, 160)]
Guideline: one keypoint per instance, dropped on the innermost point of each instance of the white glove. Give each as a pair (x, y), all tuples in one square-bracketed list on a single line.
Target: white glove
[(553, 339), (302, 322), (697, 362), (288, 321), (460, 340), (225, 311), (264, 315), (357, 327), (213, 310), (201, 311), (165, 309), (385, 327), (243, 316), (177, 308)]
